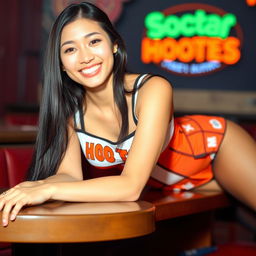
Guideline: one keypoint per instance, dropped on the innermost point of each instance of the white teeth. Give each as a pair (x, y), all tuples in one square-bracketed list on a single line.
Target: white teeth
[(90, 70)]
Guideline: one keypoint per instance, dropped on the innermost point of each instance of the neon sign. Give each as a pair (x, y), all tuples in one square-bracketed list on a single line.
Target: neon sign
[(251, 2), (191, 39)]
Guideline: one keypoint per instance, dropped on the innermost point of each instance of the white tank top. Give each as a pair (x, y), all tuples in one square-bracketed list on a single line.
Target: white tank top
[(103, 153)]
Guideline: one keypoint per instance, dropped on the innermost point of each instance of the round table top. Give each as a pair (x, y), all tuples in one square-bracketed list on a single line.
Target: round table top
[(63, 222)]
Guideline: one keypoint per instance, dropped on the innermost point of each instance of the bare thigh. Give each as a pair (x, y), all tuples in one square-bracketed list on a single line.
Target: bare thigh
[(235, 164), (210, 186)]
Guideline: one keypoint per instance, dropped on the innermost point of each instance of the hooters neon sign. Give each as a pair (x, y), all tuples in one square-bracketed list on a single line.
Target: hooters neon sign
[(191, 39)]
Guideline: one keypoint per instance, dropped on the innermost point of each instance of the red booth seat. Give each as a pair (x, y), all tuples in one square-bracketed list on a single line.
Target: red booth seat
[(14, 163), (4, 181)]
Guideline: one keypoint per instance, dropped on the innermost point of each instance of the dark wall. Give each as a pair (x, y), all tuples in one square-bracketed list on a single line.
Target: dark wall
[(20, 26), (240, 76), (20, 47)]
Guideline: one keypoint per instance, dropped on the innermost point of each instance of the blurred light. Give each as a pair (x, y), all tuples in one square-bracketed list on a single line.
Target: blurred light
[(251, 2)]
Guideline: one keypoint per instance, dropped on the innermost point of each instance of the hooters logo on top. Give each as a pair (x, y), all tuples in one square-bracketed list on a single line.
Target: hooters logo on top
[(104, 153), (191, 39)]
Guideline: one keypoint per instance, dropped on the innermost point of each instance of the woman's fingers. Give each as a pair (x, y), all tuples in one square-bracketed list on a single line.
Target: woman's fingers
[(5, 214), (3, 198), (14, 199), (7, 195), (17, 208), (27, 193), (6, 211), (9, 201)]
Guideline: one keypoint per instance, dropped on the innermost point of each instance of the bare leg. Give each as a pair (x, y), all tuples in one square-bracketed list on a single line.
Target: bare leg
[(211, 186), (235, 165)]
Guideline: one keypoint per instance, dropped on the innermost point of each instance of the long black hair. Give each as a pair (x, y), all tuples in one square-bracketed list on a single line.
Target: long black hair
[(62, 96)]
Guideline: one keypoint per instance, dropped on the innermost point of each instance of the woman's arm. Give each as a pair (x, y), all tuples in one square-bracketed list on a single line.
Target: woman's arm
[(70, 168), (36, 192), (154, 109)]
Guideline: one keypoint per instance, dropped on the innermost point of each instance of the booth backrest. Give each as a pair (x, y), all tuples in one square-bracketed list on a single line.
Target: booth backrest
[(14, 164), (4, 181)]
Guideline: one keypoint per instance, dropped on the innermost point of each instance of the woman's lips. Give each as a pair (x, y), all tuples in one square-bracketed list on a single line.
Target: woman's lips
[(91, 71)]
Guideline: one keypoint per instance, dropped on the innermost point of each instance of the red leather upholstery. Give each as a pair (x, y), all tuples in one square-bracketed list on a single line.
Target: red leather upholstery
[(17, 160), (4, 182), (14, 163)]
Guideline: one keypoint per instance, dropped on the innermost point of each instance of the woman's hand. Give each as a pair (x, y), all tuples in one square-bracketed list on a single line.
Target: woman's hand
[(27, 184), (25, 193)]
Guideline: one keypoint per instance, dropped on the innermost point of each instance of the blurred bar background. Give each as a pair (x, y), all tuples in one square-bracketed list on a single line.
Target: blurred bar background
[(221, 86), (224, 87)]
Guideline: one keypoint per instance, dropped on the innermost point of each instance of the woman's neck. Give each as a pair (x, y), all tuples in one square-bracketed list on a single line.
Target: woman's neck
[(101, 97)]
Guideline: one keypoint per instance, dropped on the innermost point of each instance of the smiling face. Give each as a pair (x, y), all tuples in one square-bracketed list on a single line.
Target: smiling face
[(86, 53)]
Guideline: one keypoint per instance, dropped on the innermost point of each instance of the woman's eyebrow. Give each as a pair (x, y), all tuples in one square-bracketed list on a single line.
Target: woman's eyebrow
[(86, 36)]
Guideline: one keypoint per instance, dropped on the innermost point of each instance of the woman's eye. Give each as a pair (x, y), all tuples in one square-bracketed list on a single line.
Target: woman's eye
[(69, 50), (95, 41)]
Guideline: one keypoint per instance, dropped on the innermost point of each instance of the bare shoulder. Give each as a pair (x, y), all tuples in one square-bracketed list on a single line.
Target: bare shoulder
[(154, 82), (155, 95), (156, 87), (158, 82)]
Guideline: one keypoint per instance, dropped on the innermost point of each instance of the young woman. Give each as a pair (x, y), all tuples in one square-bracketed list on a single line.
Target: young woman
[(124, 125)]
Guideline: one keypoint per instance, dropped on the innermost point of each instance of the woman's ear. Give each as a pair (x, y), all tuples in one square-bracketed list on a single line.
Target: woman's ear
[(115, 48)]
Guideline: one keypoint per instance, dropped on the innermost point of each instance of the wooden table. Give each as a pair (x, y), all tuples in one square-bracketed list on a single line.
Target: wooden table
[(171, 205), (62, 222), (17, 134), (183, 221)]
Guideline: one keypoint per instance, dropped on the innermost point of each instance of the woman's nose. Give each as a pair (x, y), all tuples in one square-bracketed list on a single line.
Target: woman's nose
[(86, 56)]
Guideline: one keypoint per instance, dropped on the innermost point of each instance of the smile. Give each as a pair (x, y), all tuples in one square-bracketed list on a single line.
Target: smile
[(91, 71)]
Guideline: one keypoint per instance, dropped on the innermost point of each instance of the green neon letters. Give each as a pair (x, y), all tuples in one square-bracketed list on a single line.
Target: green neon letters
[(212, 25)]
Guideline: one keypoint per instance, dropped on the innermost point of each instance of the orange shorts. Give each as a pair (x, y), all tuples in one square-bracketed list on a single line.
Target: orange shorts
[(186, 162)]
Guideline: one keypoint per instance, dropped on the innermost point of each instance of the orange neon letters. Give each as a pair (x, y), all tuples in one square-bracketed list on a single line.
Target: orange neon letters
[(198, 49)]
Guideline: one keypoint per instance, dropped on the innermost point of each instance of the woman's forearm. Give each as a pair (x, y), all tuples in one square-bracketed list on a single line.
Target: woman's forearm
[(62, 177), (112, 188)]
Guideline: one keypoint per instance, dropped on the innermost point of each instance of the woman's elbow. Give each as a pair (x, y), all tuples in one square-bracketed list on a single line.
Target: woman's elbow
[(130, 188), (133, 194), (132, 198)]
